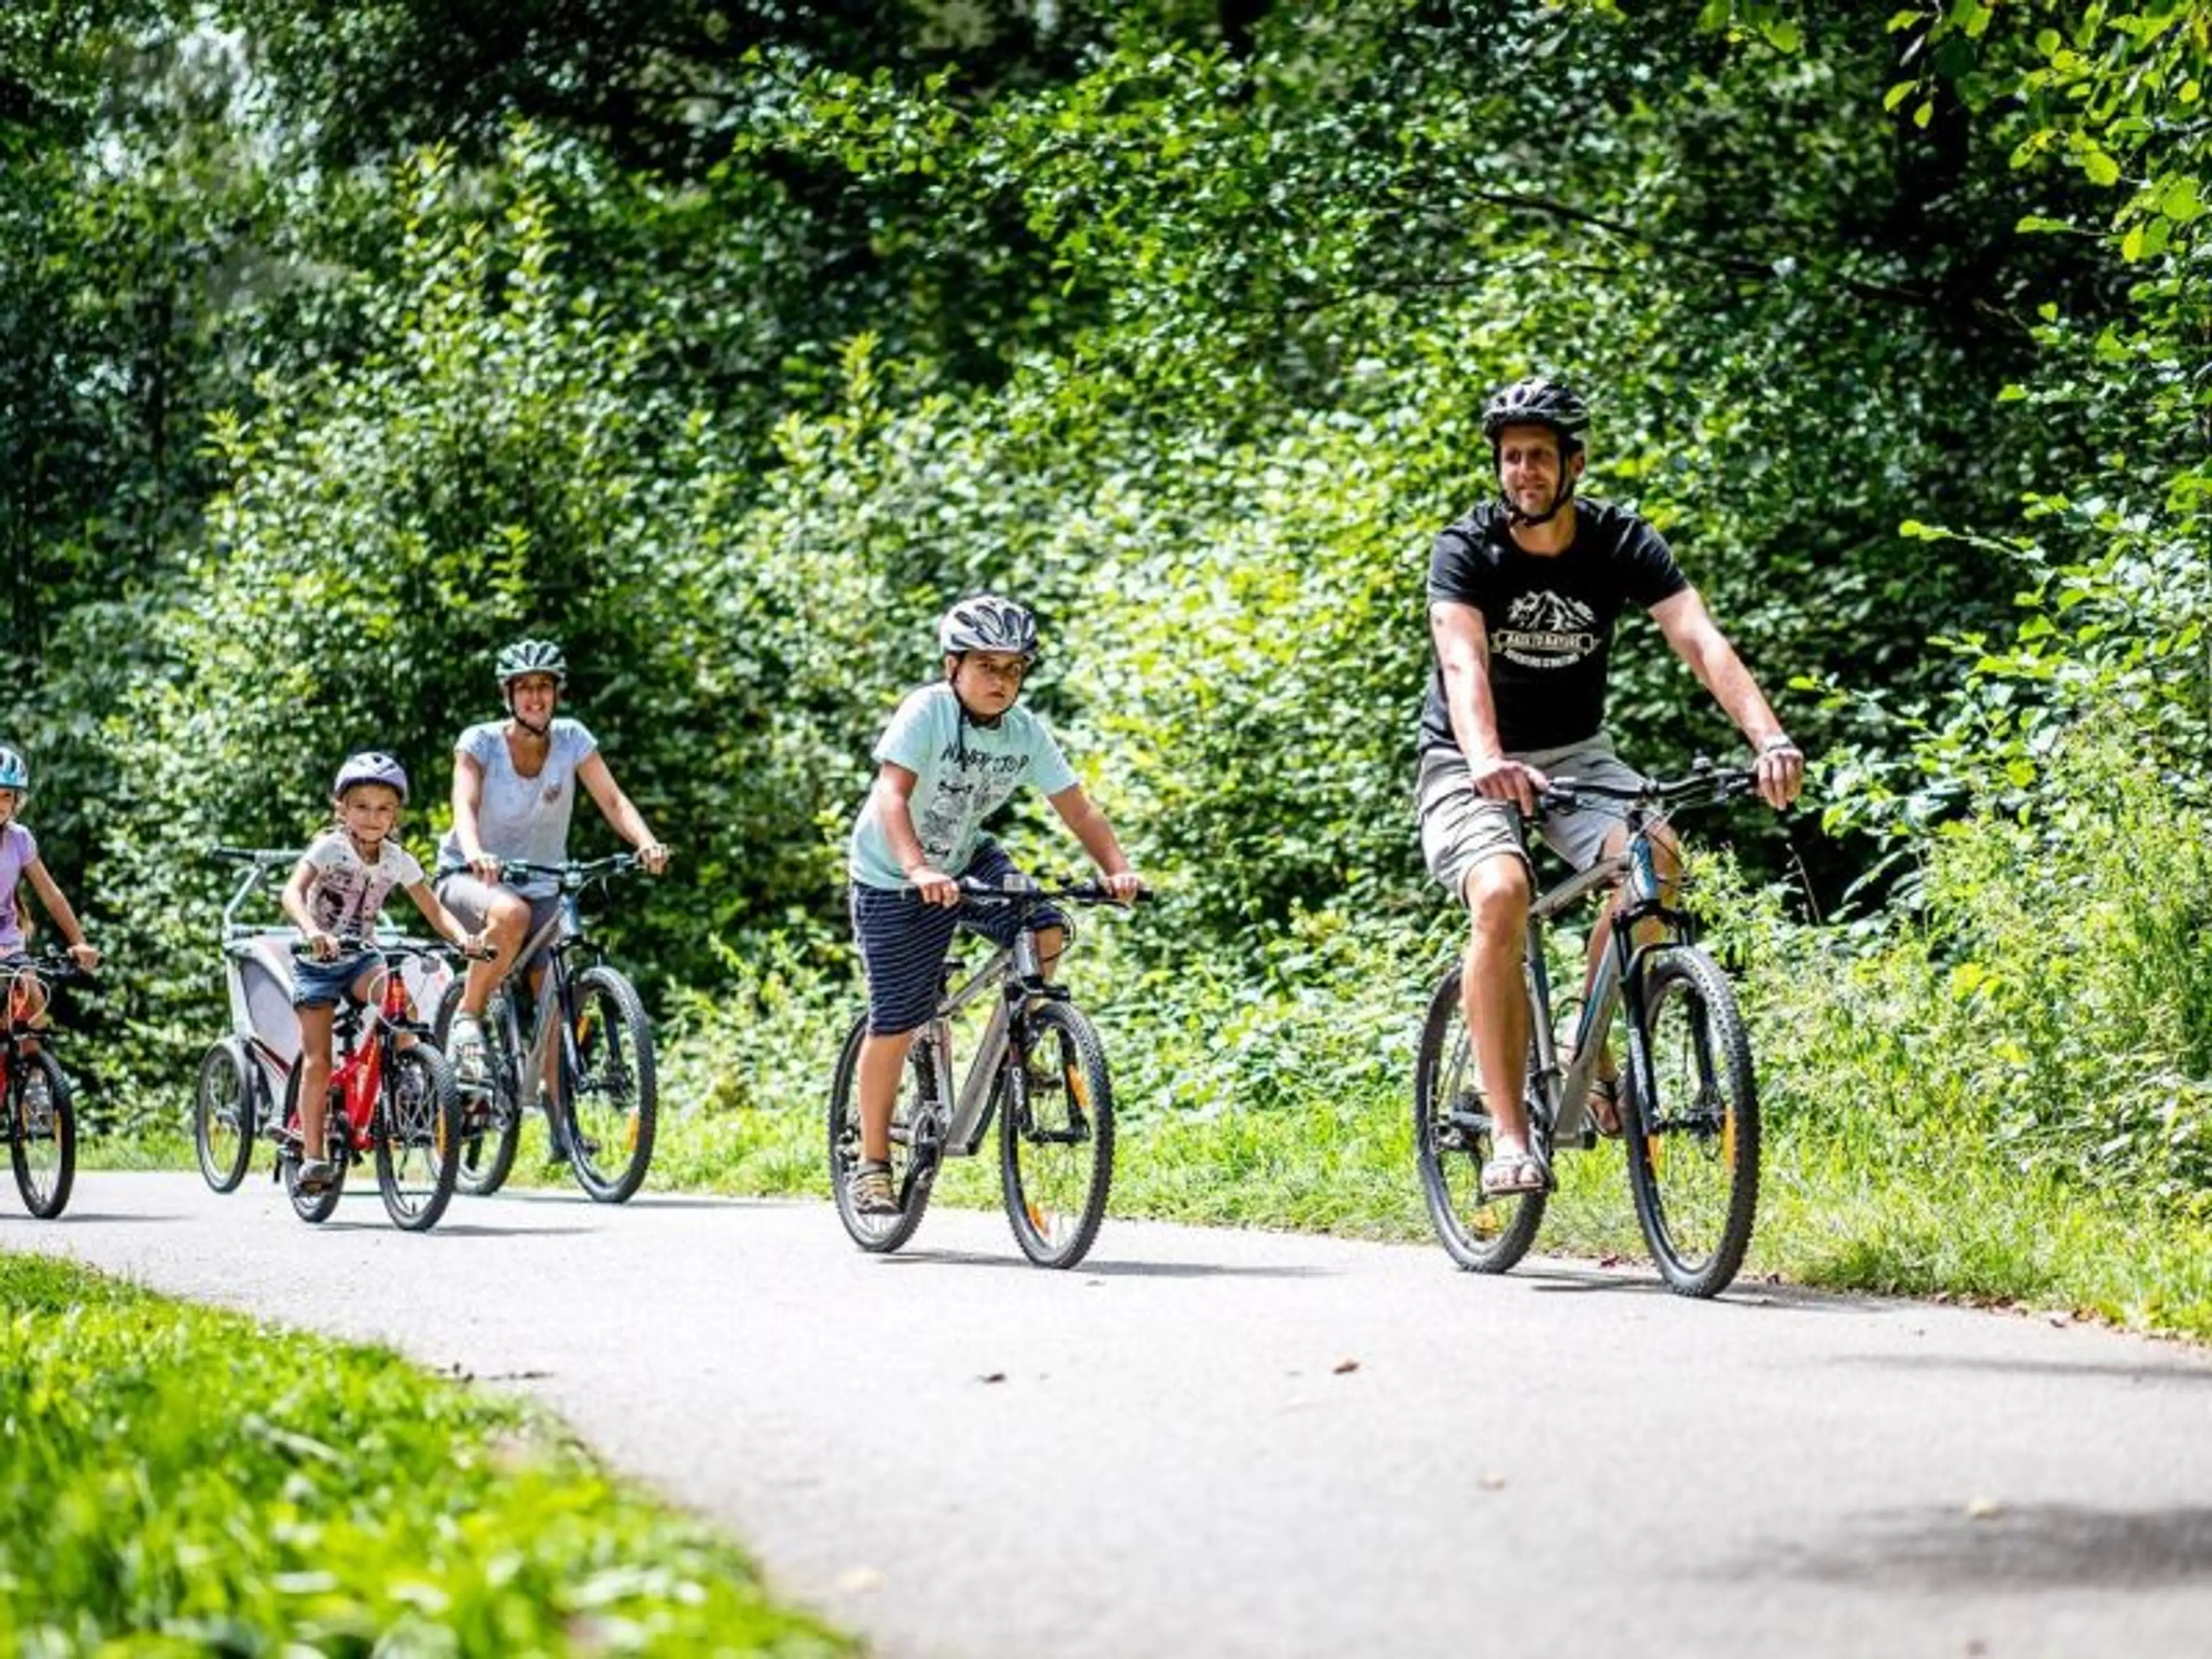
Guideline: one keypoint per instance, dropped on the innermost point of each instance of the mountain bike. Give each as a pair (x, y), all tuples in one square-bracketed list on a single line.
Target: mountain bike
[(243, 1073), (1690, 1113), (41, 1120), (1039, 1066), (590, 1036), (396, 1102)]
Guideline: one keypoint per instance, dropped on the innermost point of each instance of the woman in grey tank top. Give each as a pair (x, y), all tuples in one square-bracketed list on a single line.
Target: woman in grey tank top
[(514, 791)]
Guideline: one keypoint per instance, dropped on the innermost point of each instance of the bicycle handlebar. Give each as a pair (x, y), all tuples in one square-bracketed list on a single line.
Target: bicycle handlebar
[(261, 858), (1088, 891), (1704, 784), (400, 947), (575, 873), (49, 965)]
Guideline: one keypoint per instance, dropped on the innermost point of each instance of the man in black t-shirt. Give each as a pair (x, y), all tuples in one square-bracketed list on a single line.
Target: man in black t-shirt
[(1523, 592)]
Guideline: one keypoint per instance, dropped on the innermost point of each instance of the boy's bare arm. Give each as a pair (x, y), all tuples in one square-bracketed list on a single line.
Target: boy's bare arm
[(894, 805), (1082, 817)]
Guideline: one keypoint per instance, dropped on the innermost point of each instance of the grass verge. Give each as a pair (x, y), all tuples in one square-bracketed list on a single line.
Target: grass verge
[(186, 1482)]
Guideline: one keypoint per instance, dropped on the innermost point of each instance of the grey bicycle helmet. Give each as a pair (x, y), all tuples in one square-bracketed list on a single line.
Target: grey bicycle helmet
[(1538, 401), (531, 657), (14, 772), (984, 621), (371, 766)]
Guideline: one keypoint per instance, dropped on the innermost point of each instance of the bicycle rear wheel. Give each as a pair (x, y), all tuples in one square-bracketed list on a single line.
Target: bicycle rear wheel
[(1452, 1142), (612, 1102), (42, 1135), (1056, 1151), (914, 1158), (338, 1148), (491, 1110), (417, 1139), (1693, 1153), (222, 1115)]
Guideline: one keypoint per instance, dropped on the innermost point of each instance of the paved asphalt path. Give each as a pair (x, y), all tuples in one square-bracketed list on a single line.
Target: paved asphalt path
[(1247, 1443)]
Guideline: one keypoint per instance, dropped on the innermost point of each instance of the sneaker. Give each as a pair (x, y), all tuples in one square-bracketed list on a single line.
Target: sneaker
[(467, 1040), (314, 1174), (871, 1187)]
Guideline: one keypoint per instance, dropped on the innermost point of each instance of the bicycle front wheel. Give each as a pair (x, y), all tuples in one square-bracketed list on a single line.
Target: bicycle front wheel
[(1056, 1150), (42, 1135), (1693, 1156), (492, 1109), (1452, 1140), (612, 1099), (914, 1158), (222, 1115), (418, 1142)]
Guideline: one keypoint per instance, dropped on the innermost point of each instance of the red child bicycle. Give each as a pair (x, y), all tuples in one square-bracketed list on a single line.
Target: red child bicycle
[(397, 1102)]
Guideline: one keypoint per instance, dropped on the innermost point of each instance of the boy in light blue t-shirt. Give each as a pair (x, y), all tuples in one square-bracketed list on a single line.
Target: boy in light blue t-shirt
[(951, 755)]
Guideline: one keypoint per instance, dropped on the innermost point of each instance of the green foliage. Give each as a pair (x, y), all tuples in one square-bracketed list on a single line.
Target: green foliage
[(2052, 1009), (183, 1479)]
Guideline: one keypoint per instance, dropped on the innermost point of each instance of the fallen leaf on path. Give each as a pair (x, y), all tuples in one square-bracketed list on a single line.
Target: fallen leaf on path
[(1984, 1508), (1344, 1366), (1492, 1482), (993, 1377)]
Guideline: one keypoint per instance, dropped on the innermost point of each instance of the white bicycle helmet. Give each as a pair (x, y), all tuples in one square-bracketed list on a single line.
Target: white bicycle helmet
[(984, 621), (371, 766), (531, 657)]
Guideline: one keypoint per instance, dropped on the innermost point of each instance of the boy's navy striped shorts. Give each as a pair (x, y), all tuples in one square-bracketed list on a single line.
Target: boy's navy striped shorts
[(904, 942)]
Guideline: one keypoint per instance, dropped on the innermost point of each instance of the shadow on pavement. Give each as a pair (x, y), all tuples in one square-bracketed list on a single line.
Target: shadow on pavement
[(1105, 1269), (2033, 1547), (67, 1216), (2152, 1367), (1754, 1296)]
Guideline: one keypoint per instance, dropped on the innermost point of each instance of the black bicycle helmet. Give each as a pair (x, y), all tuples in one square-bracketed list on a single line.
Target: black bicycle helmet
[(1538, 401)]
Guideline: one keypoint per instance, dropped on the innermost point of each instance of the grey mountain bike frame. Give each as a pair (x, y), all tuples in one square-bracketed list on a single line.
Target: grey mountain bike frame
[(963, 1131)]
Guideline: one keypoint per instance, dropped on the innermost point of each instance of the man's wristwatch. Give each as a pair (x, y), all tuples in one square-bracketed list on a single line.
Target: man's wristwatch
[(1775, 744)]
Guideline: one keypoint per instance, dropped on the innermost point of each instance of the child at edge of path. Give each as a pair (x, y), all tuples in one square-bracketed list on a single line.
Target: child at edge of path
[(25, 1002), (952, 754), (333, 896)]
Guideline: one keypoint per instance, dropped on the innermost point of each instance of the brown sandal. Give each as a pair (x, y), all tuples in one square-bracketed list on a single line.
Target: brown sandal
[(1606, 1094)]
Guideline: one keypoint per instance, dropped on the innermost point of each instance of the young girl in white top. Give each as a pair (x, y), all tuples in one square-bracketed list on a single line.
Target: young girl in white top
[(336, 891)]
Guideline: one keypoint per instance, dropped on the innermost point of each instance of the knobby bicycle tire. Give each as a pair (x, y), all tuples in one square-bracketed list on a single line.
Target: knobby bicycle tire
[(45, 1186), (1057, 1152), (913, 1169), (418, 1134), (491, 1113), (1693, 1150), (222, 1115), (611, 1101), (1452, 1142)]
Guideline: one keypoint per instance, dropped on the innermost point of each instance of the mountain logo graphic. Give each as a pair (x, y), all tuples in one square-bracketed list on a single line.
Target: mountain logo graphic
[(1548, 631)]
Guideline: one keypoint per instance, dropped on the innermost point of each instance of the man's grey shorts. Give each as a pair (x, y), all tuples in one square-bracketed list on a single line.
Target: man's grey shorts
[(1461, 829)]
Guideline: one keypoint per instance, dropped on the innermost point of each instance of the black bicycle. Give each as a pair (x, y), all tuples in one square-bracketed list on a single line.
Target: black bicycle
[(1690, 1113), (589, 1038), (41, 1120), (1039, 1066)]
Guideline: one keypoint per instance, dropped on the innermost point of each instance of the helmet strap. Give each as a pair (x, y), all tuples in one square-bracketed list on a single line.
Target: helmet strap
[(1560, 497), (515, 714)]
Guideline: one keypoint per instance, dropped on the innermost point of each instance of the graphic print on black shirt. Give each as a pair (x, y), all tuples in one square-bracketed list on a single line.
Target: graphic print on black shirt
[(1549, 618)]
